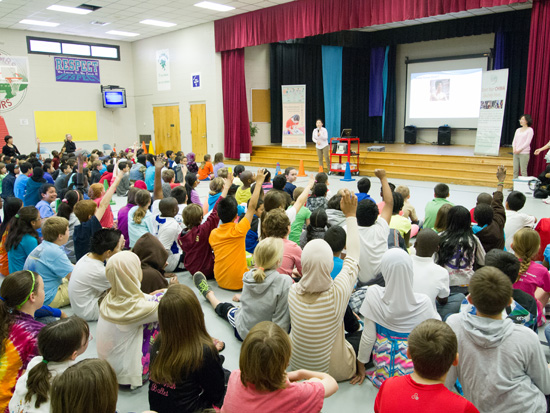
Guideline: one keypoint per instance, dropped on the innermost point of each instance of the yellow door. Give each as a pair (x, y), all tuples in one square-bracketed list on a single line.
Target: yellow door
[(167, 128), (198, 131)]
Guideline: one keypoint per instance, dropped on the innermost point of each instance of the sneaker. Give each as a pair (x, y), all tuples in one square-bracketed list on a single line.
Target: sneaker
[(200, 282)]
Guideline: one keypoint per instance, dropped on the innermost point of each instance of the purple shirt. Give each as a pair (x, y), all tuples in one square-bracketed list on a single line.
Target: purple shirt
[(219, 165), (123, 223)]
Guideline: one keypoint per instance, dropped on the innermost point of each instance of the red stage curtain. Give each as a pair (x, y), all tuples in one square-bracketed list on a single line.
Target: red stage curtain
[(537, 91), (235, 110), (304, 18)]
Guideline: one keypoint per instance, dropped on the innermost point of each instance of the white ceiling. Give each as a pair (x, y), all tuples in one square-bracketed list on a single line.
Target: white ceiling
[(122, 15), (450, 16)]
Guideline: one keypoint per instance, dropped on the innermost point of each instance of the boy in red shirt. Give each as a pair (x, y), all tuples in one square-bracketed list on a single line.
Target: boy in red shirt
[(433, 350)]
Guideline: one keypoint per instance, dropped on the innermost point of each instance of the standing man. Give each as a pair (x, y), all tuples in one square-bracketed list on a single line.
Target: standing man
[(69, 146)]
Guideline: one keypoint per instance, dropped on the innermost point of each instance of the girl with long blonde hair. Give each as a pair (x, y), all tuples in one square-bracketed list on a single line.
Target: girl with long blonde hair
[(533, 278)]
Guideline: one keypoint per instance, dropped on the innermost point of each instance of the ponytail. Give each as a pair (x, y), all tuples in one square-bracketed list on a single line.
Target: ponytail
[(57, 342), (20, 225), (66, 206), (143, 200), (14, 292), (526, 244), (267, 256)]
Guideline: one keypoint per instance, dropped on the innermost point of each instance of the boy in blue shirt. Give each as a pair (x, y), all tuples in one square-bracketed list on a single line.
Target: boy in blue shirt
[(50, 261), (336, 238), (363, 186)]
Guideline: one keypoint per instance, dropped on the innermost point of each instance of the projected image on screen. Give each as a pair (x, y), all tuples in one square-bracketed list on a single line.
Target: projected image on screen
[(445, 95), (439, 90), (444, 92)]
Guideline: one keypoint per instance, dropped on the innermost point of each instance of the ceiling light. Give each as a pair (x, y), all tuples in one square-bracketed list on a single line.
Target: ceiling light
[(118, 33), (65, 9), (157, 23), (39, 23), (214, 6)]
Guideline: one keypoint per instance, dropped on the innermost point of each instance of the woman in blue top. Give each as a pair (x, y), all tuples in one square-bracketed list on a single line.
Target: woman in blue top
[(23, 237)]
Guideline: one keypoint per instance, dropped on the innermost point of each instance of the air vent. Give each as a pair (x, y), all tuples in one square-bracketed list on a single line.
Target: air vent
[(88, 7), (98, 23)]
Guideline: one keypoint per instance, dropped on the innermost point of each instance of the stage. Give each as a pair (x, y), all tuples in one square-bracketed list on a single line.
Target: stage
[(454, 164)]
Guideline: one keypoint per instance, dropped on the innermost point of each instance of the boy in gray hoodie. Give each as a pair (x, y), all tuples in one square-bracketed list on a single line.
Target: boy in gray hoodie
[(502, 367)]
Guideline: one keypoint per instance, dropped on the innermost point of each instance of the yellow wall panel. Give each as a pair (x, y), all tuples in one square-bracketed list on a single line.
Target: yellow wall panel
[(52, 126)]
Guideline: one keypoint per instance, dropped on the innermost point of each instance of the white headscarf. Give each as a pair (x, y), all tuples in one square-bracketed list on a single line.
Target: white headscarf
[(125, 303), (396, 306), (317, 264)]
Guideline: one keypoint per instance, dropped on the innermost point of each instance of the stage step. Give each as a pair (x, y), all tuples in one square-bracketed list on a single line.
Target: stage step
[(460, 170)]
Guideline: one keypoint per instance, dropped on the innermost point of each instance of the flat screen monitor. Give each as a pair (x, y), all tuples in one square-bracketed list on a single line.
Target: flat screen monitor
[(114, 98)]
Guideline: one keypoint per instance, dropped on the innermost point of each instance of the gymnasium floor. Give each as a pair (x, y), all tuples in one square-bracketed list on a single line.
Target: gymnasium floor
[(348, 398)]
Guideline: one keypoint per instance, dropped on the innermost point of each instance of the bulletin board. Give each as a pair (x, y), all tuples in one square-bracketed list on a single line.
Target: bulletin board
[(261, 105), (52, 126)]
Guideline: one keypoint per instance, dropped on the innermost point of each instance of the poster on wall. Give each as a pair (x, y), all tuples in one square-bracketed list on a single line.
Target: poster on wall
[(163, 70), (72, 69), (14, 80), (294, 115), (491, 112)]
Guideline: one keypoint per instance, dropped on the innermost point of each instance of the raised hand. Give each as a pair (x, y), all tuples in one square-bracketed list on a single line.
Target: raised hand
[(501, 173), (348, 204), (380, 173)]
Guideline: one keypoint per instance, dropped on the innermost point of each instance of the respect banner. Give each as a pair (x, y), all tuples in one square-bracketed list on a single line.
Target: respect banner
[(294, 115), (71, 69), (491, 112)]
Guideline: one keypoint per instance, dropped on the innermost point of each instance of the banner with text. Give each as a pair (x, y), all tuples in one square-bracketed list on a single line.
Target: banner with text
[(163, 70), (72, 69), (294, 115), (491, 112)]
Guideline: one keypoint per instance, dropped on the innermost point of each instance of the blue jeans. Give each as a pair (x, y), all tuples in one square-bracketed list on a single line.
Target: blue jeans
[(452, 306)]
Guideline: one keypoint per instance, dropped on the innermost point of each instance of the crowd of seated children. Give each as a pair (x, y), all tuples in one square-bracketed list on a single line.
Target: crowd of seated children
[(316, 308)]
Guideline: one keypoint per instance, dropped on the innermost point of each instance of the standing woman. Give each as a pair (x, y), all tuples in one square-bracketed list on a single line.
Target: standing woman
[(521, 145), (320, 137), (9, 149)]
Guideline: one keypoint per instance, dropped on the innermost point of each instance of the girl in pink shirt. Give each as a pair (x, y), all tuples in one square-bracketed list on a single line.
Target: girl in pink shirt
[(533, 278), (262, 383)]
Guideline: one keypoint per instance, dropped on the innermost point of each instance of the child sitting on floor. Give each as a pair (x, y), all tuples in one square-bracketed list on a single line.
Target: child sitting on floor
[(336, 239), (433, 350), (264, 296), (59, 343), (276, 224), (318, 223), (206, 170), (243, 193), (228, 240), (319, 197), (194, 239), (264, 381), (502, 366), (167, 230)]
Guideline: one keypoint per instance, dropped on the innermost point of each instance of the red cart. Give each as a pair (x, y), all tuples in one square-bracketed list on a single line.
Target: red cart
[(342, 148)]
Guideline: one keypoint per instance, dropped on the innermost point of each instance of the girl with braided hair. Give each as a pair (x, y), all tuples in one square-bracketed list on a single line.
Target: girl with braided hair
[(533, 278)]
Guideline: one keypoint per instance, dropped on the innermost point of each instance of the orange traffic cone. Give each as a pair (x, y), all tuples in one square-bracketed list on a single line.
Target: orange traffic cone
[(321, 168), (144, 147), (301, 171)]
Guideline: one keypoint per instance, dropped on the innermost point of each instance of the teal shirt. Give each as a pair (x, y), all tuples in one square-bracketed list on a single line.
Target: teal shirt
[(431, 211)]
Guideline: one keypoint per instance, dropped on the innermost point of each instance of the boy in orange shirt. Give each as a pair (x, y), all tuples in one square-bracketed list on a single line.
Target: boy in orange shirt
[(206, 170), (228, 240)]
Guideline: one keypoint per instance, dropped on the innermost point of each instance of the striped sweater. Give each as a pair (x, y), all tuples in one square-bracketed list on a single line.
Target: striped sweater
[(317, 334)]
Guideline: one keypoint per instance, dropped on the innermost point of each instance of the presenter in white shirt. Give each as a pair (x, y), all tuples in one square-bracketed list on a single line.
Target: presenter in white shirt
[(320, 137)]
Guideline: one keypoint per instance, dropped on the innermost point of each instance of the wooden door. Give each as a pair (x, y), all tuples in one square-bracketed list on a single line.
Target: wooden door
[(198, 131), (167, 128)]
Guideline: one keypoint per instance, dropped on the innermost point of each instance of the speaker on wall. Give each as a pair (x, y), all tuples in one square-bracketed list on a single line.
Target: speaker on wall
[(410, 134), (444, 135)]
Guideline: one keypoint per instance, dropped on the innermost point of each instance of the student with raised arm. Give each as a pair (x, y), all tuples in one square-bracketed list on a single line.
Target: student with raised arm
[(228, 240), (374, 230), (89, 214)]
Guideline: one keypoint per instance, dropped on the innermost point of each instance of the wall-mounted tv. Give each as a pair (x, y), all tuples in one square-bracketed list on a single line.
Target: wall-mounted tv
[(114, 98)]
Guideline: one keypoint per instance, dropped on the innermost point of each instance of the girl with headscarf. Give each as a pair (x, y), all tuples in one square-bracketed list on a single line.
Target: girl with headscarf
[(317, 305), (153, 256), (391, 313), (191, 164), (128, 319)]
